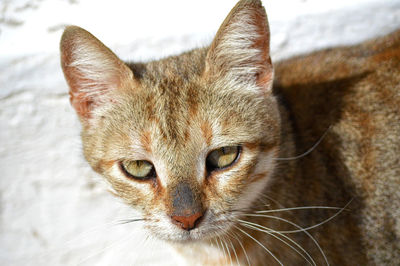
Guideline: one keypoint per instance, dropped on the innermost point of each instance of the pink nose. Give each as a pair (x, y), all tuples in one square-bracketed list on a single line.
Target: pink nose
[(187, 222)]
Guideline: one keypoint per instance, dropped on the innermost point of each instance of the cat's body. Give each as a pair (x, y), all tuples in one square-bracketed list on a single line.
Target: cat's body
[(356, 92), (326, 135)]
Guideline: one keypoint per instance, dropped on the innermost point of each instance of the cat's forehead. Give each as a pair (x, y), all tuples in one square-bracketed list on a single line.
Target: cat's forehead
[(173, 113), (182, 68), (181, 107), (192, 114)]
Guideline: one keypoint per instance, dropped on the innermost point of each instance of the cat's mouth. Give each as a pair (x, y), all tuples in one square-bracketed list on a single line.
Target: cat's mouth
[(209, 228)]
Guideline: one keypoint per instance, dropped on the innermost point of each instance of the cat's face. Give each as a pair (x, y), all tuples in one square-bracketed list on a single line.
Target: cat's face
[(190, 140)]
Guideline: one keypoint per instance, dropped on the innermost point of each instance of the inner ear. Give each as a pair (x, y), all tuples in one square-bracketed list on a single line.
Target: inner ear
[(240, 48)]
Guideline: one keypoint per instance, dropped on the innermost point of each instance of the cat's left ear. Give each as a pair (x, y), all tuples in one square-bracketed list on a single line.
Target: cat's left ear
[(240, 49), (93, 71)]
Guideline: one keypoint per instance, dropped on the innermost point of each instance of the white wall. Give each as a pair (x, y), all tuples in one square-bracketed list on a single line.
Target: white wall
[(53, 208)]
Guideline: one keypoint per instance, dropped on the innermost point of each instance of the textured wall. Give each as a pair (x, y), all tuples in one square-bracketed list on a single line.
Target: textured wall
[(53, 208)]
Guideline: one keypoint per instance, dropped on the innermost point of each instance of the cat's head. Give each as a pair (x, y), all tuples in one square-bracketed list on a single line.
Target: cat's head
[(189, 140)]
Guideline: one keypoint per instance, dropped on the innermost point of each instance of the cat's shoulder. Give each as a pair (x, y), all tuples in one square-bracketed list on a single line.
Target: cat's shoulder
[(341, 62), (357, 86)]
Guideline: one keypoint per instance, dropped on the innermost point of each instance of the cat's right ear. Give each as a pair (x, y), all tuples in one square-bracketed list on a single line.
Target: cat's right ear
[(92, 71), (240, 49)]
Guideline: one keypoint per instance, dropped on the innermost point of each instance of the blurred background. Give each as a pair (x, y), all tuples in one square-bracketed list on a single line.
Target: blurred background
[(53, 209)]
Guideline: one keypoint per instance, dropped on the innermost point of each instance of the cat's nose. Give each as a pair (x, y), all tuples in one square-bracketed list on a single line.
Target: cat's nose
[(187, 222)]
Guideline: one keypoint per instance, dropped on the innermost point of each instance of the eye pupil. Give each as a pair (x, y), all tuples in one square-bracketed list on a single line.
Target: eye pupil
[(140, 169), (222, 158)]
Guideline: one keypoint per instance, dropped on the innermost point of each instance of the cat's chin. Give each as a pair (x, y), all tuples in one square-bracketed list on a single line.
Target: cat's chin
[(192, 236), (204, 233), (186, 237)]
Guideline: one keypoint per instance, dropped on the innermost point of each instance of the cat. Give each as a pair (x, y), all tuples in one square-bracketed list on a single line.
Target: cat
[(236, 161)]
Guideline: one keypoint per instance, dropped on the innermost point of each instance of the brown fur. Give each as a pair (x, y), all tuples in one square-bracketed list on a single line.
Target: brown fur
[(175, 111), (356, 91)]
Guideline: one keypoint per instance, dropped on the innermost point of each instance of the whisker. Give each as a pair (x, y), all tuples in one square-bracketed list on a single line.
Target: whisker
[(227, 249), (126, 221), (244, 250), (313, 226), (271, 232), (273, 200), (93, 229), (212, 244), (259, 243), (221, 247), (308, 151), (234, 251), (299, 208), (297, 226), (77, 238), (215, 242), (105, 248), (144, 242)]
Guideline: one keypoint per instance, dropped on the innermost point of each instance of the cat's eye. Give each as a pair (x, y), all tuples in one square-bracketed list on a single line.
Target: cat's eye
[(140, 169), (222, 157)]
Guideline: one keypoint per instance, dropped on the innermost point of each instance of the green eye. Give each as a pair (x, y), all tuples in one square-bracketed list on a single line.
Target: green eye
[(222, 157), (141, 170)]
